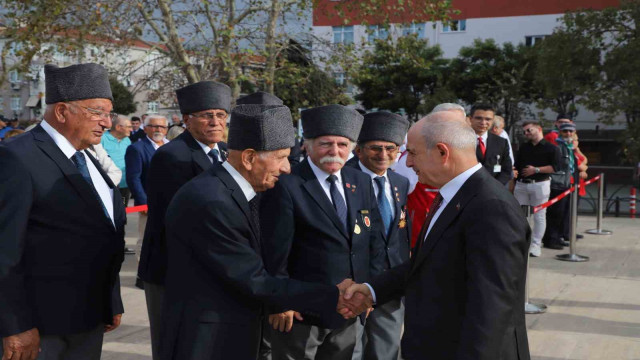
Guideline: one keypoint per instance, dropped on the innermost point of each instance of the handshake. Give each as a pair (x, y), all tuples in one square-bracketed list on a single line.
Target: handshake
[(354, 299)]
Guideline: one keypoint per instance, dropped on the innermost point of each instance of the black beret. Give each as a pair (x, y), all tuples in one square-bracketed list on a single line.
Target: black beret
[(204, 95), (259, 97), (261, 127), (384, 126), (564, 116), (76, 82), (335, 120)]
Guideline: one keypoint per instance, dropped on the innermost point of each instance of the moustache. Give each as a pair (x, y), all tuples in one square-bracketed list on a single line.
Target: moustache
[(331, 159)]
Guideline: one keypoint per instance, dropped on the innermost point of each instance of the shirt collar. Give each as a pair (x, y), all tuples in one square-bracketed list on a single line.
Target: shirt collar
[(484, 137), (245, 186), (322, 175), (450, 189), (371, 173), (63, 143), (205, 148)]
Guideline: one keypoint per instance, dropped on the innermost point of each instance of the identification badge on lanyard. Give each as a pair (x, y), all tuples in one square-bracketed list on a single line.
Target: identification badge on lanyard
[(497, 167)]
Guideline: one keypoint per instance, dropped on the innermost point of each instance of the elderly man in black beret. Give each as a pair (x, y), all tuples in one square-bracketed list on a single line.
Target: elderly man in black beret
[(61, 245), (216, 282), (205, 107), (381, 135), (320, 224)]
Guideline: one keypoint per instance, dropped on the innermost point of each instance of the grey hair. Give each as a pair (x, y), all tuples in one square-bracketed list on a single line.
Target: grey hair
[(449, 107), (309, 147), (440, 129), (498, 121), (151, 117), (118, 120)]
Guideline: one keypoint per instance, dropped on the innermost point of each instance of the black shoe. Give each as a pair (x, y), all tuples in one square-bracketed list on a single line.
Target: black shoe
[(554, 246), (139, 283), (564, 242), (579, 236), (129, 251)]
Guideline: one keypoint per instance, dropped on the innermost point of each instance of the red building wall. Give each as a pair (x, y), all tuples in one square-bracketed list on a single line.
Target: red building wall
[(324, 13)]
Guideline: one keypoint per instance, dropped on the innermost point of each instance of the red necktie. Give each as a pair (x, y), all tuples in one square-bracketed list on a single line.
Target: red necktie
[(482, 147)]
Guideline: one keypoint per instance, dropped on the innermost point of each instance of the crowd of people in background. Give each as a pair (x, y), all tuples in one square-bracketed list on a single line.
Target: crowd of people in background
[(233, 231)]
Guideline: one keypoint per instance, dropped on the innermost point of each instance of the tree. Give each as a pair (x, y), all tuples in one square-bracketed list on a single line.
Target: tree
[(302, 84), (400, 75), (501, 76), (567, 67), (122, 98)]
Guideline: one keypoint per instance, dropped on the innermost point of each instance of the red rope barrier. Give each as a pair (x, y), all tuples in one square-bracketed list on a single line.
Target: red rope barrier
[(133, 209), (559, 197)]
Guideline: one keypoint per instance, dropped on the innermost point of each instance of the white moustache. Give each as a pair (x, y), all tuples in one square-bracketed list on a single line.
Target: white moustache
[(332, 159)]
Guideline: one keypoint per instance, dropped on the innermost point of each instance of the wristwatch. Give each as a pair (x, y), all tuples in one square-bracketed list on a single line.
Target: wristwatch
[(537, 170)]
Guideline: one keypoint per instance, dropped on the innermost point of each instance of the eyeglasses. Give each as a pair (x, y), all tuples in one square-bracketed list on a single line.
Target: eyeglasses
[(211, 115), (103, 115), (378, 148), (157, 126)]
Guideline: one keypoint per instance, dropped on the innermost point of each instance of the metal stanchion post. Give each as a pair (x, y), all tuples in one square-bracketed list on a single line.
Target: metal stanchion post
[(572, 256), (530, 308), (598, 230)]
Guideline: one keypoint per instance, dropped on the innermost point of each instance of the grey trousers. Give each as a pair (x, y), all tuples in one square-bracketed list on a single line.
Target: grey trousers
[(82, 346), (314, 343), (383, 331), (154, 294)]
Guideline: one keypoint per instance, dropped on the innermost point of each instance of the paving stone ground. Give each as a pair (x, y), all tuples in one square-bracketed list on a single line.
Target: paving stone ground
[(594, 307)]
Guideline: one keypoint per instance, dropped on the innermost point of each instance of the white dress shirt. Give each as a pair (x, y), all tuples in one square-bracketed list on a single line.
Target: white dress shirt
[(156, 146), (387, 187), (206, 150), (245, 186), (326, 186), (103, 190), (448, 191)]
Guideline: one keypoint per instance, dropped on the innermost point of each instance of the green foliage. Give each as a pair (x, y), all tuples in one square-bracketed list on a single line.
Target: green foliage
[(499, 75), (406, 74), (568, 66), (122, 98)]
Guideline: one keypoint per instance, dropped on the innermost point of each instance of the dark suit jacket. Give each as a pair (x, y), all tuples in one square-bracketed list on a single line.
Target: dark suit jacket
[(496, 147), (172, 166), (137, 160), (137, 135), (305, 240), (216, 281), (60, 254), (464, 288), (398, 241)]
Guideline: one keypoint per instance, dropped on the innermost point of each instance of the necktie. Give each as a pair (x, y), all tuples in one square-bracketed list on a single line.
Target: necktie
[(213, 153), (383, 204), (482, 148), (81, 163), (254, 205), (338, 201), (437, 201)]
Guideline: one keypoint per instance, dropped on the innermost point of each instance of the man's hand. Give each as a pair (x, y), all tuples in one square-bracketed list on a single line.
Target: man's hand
[(344, 285), (515, 173), (23, 346), (116, 323), (144, 212), (355, 300), (284, 321), (528, 171)]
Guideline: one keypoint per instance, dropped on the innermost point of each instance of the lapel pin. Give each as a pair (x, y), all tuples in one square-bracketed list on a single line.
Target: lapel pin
[(348, 186), (458, 206)]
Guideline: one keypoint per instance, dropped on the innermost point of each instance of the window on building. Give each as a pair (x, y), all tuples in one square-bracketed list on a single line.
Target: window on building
[(417, 29), (14, 77), (152, 107), (377, 32), (533, 40), (455, 26), (343, 34), (154, 84), (340, 78), (16, 103)]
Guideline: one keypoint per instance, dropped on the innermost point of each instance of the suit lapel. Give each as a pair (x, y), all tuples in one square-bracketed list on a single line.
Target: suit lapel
[(69, 170), (111, 186), (313, 187), (454, 208), (240, 199), (199, 157), (351, 199)]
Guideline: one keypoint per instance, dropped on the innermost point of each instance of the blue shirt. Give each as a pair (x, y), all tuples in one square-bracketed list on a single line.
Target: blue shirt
[(116, 150), (4, 131)]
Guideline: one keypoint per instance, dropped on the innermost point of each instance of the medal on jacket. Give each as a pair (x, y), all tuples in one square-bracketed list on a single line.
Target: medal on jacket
[(365, 219), (403, 219), (356, 229)]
